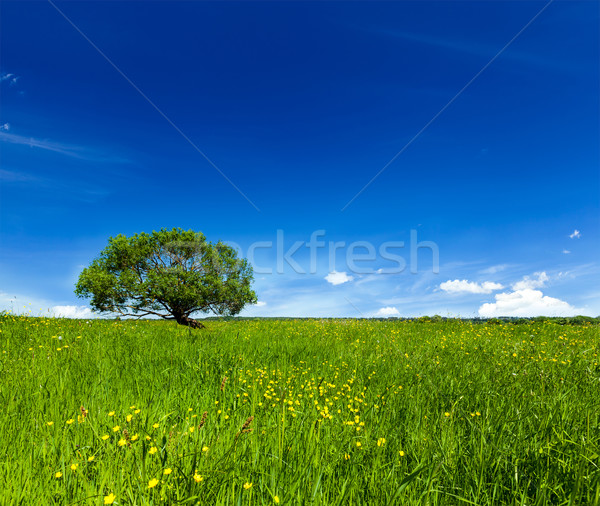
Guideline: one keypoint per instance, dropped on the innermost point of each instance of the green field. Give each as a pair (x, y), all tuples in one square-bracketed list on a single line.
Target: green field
[(298, 412)]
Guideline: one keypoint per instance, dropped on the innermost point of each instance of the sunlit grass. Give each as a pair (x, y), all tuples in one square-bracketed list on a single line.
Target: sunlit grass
[(287, 412)]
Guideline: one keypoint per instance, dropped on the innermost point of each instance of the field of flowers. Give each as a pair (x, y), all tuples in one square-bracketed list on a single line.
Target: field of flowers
[(298, 412)]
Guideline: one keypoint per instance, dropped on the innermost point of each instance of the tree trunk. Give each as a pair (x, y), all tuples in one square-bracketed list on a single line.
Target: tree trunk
[(189, 322)]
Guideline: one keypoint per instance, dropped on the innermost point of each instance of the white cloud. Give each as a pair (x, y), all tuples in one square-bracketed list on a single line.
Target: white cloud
[(494, 269), (527, 302), (566, 251), (338, 278), (11, 78), (5, 127), (387, 311), (464, 286), (260, 303), (531, 282), (575, 235), (72, 312)]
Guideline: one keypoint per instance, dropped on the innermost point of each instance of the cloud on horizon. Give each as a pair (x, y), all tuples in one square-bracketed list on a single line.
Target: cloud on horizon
[(526, 302)]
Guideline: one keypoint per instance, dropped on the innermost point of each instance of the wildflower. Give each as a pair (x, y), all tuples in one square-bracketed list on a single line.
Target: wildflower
[(153, 450), (110, 498), (134, 437), (111, 413), (49, 424), (401, 453), (74, 467), (198, 478), (91, 458), (247, 485), (70, 421), (205, 448), (477, 413), (152, 483), (105, 437), (129, 417), (137, 411), (58, 475), (446, 414), (346, 456), (116, 428), (122, 442), (276, 499), (156, 426), (381, 441), (168, 471), (358, 444), (131, 407), (192, 429)]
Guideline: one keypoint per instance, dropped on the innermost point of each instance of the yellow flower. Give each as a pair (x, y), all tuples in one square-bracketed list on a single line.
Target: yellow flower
[(152, 483), (156, 426), (116, 428), (205, 448), (247, 485), (122, 442), (401, 453), (198, 478), (446, 414), (168, 471), (58, 475), (105, 437), (91, 458), (129, 417), (70, 421), (135, 437), (74, 467), (148, 438), (153, 450), (192, 429), (112, 413), (477, 413), (358, 444), (110, 498), (131, 407), (50, 424), (346, 456), (381, 441), (276, 499), (137, 411)]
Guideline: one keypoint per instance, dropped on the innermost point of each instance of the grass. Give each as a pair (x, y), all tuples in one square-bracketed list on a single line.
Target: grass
[(298, 412)]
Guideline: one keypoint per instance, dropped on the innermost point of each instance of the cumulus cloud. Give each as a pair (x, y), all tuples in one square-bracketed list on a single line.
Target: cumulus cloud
[(387, 311), (338, 278), (72, 312), (260, 303), (526, 302), (464, 286), (575, 235), (536, 281)]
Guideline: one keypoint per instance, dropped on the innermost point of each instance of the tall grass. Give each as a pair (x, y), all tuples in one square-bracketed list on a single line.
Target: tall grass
[(298, 412)]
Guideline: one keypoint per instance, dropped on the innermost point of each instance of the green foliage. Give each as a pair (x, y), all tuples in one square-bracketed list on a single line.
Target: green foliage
[(170, 273)]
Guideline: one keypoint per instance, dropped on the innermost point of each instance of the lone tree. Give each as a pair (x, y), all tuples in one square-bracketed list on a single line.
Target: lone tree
[(170, 273)]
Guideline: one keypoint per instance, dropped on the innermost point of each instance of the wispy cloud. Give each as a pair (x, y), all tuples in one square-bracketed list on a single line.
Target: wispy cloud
[(575, 235), (9, 78), (73, 151)]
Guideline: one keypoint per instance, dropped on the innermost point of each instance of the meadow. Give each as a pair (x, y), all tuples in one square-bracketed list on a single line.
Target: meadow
[(298, 412)]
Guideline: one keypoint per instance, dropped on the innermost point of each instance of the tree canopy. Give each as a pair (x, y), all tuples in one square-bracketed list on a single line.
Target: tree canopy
[(171, 274)]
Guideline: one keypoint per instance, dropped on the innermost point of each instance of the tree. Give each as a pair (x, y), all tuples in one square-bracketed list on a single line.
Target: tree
[(171, 274)]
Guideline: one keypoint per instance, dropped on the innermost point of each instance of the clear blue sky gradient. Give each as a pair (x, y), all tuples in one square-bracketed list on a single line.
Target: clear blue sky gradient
[(300, 104)]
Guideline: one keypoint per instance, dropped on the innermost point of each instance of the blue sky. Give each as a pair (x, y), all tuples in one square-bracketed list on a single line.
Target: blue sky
[(300, 105)]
